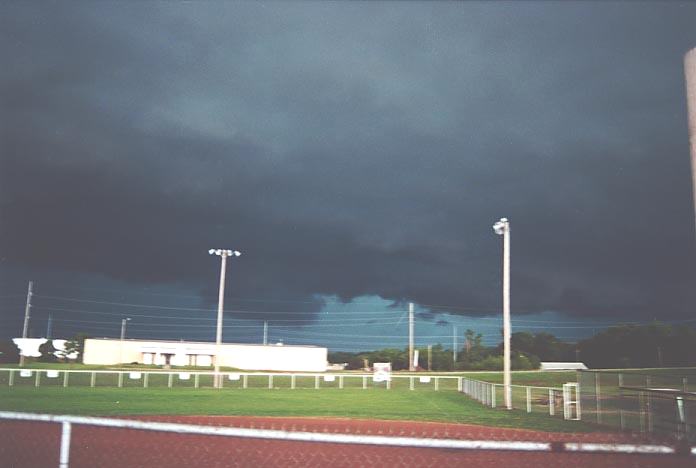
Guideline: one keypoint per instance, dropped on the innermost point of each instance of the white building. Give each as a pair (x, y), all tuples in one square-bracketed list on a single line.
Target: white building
[(106, 351)]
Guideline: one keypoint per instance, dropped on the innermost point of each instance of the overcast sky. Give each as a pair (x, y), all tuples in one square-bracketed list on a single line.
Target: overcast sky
[(353, 152)]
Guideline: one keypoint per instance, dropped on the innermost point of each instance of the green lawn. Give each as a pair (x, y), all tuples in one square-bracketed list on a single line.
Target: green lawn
[(444, 406)]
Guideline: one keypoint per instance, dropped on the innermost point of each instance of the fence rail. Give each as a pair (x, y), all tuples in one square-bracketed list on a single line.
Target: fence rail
[(205, 379), (553, 401)]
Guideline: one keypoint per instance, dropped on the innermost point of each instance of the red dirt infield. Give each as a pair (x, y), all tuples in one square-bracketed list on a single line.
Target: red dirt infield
[(36, 444)]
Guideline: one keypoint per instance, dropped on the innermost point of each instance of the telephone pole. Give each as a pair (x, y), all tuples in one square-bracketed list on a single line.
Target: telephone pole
[(49, 326), (27, 310), (265, 332), (454, 344)]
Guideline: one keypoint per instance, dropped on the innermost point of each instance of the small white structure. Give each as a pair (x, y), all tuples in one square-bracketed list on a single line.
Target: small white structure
[(29, 347), (106, 351), (562, 366)]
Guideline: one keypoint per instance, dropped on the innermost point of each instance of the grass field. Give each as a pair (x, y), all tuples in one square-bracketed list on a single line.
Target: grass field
[(446, 406)]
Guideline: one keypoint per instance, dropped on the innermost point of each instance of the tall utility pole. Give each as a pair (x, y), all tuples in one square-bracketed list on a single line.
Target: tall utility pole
[(430, 357), (265, 332), (27, 316), (502, 228), (49, 326), (411, 364), (690, 76), (123, 336), (221, 299), (454, 344)]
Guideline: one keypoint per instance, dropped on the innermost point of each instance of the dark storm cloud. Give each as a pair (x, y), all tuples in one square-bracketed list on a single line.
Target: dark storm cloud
[(355, 149)]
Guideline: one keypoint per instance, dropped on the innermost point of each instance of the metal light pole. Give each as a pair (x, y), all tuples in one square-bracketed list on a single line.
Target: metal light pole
[(123, 335), (690, 78), (502, 228), (221, 299)]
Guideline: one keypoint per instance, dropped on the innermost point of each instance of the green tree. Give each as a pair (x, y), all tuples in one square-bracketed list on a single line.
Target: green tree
[(47, 351)]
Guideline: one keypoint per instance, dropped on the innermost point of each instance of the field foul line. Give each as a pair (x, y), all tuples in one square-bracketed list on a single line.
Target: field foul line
[(414, 442)]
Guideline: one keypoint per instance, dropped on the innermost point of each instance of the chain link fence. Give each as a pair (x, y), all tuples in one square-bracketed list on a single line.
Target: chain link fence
[(658, 404), (43, 440)]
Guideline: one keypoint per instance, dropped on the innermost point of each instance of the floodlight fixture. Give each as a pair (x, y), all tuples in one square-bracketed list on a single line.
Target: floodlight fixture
[(500, 226)]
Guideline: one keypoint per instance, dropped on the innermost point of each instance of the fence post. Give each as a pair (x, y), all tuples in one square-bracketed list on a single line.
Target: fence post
[(340, 382), (270, 381), (66, 376), (437, 383), (245, 381), (459, 384), (552, 403), (120, 379), (10, 381), (170, 380), (65, 445), (93, 379), (389, 383), (37, 381), (316, 382), (685, 383), (529, 399), (493, 396), (410, 383), (364, 382), (598, 403), (146, 376), (196, 380), (292, 382)]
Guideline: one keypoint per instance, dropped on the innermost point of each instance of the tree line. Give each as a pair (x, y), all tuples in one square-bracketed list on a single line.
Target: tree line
[(622, 346)]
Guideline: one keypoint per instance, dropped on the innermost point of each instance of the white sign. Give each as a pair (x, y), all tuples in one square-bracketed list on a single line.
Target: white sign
[(25, 373), (52, 374), (381, 372), (329, 378), (134, 375), (424, 379), (234, 376), (184, 376)]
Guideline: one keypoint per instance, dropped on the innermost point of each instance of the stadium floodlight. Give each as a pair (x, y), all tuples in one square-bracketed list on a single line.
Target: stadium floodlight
[(502, 228), (223, 253)]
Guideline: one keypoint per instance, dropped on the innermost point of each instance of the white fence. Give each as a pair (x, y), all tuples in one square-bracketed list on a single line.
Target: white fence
[(529, 398), (554, 401), (285, 435), (205, 379)]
